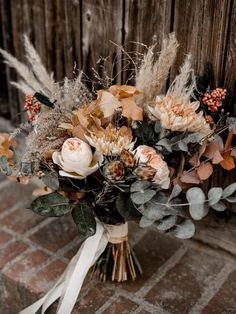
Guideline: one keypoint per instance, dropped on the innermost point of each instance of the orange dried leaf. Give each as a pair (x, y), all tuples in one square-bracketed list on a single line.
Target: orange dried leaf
[(228, 162), (213, 152), (205, 170), (123, 91), (131, 110), (190, 177)]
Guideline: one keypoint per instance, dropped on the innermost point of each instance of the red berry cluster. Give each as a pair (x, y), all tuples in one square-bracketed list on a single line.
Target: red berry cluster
[(32, 107), (214, 99)]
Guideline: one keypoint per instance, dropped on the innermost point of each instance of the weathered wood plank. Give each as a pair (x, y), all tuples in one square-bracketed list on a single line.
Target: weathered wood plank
[(230, 52), (201, 28), (146, 22), (101, 23)]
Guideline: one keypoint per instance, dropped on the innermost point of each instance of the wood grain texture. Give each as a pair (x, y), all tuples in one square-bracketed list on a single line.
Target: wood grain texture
[(101, 24), (230, 51), (201, 29), (146, 22), (66, 32)]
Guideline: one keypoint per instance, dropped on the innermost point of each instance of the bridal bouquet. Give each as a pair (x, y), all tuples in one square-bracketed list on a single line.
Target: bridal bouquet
[(124, 153)]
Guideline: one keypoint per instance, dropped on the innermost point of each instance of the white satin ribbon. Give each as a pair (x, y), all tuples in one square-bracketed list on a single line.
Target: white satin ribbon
[(68, 286)]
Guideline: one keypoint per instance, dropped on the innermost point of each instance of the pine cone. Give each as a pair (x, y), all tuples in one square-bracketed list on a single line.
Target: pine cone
[(145, 173), (127, 158), (114, 170)]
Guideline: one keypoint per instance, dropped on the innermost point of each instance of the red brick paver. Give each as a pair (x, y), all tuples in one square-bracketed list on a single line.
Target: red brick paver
[(179, 276)]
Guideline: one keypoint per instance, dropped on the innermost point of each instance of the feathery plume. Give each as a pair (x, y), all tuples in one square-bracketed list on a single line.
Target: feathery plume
[(22, 70), (184, 84), (37, 67), (153, 74)]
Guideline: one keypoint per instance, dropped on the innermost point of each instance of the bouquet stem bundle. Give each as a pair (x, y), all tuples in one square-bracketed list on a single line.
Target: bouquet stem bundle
[(118, 262)]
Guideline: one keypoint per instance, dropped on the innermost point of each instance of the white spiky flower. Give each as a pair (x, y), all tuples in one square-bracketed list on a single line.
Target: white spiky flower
[(111, 140), (181, 117)]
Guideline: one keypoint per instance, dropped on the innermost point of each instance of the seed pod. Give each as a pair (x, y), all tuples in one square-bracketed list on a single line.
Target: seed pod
[(127, 158), (114, 170), (145, 172)]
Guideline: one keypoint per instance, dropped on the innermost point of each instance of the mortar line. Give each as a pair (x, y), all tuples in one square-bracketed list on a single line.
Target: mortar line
[(212, 288), (162, 271)]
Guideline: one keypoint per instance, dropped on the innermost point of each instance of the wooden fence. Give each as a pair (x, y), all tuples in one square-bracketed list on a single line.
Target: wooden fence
[(66, 32)]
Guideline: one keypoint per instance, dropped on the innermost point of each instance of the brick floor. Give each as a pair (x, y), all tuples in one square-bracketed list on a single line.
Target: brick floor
[(197, 276)]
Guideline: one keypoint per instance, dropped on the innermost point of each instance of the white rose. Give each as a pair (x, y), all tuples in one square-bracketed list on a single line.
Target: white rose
[(148, 155), (76, 159)]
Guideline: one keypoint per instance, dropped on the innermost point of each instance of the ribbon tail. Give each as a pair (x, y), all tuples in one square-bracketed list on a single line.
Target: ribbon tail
[(68, 287), (93, 248)]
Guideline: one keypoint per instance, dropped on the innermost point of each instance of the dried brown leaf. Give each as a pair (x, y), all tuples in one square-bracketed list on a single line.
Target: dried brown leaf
[(131, 110), (205, 170)]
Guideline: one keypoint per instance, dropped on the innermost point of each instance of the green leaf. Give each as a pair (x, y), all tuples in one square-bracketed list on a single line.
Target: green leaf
[(157, 127), (194, 137), (84, 219), (229, 190), (142, 197), (196, 199), (184, 230), (167, 223), (231, 199), (145, 222), (51, 205), (214, 195), (4, 166), (50, 179), (165, 143), (220, 206), (175, 191), (139, 185), (152, 211), (126, 207), (232, 124), (183, 146)]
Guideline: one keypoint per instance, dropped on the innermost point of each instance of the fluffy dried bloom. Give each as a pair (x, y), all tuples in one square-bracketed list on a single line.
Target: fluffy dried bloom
[(114, 170), (46, 136), (5, 143), (111, 140), (147, 155), (177, 116), (76, 159)]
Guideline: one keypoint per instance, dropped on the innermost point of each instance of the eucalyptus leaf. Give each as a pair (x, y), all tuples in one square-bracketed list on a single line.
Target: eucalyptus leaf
[(126, 207), (152, 211), (50, 179), (220, 206), (184, 230), (4, 166), (231, 199), (232, 123), (175, 191), (51, 205), (195, 137), (139, 185), (143, 196), (196, 199), (157, 127), (167, 223), (214, 195), (84, 219), (229, 190), (145, 222), (165, 143), (183, 146)]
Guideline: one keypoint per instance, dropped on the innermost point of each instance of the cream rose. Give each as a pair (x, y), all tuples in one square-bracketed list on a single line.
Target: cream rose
[(76, 159), (148, 155)]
